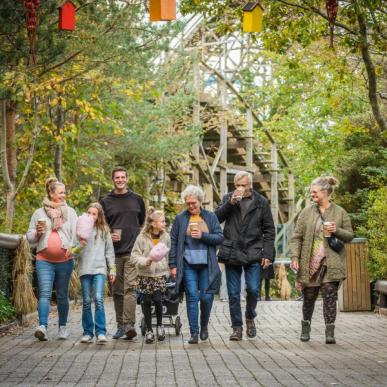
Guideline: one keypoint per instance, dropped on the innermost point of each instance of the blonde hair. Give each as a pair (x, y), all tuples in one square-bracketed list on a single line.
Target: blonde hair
[(51, 184), (100, 223), (152, 215), (326, 183)]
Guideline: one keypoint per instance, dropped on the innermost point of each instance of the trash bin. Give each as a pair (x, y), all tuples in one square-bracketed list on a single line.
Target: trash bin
[(355, 292)]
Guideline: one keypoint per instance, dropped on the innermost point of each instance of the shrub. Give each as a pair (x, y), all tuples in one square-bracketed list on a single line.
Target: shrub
[(7, 311), (376, 231)]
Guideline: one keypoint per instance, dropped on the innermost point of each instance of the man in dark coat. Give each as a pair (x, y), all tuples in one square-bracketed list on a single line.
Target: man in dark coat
[(249, 235), (125, 213)]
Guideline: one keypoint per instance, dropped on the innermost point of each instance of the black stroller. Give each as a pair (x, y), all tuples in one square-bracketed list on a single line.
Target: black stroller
[(170, 309)]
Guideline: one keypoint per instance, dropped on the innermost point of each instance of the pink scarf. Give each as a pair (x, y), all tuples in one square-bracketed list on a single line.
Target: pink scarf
[(57, 212)]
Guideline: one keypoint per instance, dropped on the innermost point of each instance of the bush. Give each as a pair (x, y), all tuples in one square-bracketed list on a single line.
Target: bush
[(376, 231), (7, 311)]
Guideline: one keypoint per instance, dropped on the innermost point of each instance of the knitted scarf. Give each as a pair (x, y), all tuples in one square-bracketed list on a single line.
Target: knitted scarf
[(57, 212)]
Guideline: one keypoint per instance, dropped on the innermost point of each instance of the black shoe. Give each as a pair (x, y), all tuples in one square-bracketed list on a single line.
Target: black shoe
[(251, 330), (193, 339), (203, 333)]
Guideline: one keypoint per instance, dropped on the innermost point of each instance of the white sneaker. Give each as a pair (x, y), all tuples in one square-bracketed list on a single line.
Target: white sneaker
[(86, 339), (41, 333), (63, 333), (101, 339)]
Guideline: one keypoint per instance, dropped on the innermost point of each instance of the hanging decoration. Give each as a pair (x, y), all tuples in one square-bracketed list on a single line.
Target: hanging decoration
[(31, 8), (332, 7), (67, 16), (253, 17), (162, 10)]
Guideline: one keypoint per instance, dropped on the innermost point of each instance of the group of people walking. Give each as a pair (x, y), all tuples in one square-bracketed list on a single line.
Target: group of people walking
[(132, 246)]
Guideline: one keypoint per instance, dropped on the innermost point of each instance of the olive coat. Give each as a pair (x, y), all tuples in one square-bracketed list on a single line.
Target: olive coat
[(301, 242)]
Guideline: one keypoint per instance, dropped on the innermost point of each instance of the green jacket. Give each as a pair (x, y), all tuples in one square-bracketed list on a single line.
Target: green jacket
[(302, 241)]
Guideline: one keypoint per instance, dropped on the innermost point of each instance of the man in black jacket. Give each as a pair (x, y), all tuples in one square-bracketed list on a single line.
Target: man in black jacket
[(249, 235), (125, 214)]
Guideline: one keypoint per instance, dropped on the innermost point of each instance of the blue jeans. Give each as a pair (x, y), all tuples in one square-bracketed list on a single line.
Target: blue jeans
[(252, 277), (96, 283), (47, 273), (196, 282)]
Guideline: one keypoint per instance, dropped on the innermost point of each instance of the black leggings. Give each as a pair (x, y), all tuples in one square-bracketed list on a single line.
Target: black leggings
[(267, 287), (146, 303), (329, 295)]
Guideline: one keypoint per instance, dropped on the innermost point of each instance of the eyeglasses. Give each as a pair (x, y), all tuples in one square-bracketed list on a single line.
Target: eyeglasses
[(191, 204)]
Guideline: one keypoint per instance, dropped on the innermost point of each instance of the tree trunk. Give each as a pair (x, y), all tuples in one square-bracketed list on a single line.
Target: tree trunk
[(370, 68), (58, 161), (8, 158), (59, 146)]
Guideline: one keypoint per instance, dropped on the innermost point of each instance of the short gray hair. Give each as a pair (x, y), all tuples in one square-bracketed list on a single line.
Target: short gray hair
[(326, 183), (241, 174), (193, 190)]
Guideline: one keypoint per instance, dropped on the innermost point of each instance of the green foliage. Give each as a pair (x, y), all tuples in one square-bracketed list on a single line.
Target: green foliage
[(362, 170), (100, 103), (7, 311), (376, 231)]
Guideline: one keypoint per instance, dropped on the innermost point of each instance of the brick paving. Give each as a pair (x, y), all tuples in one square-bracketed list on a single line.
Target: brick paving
[(275, 358)]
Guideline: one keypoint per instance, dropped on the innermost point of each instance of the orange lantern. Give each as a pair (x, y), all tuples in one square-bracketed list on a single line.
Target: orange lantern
[(162, 10), (67, 16)]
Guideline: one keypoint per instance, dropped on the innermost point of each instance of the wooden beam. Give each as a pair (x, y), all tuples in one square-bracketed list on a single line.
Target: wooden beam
[(216, 159), (274, 184)]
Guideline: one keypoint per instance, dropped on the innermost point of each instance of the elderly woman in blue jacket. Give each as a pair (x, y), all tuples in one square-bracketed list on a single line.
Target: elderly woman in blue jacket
[(195, 234)]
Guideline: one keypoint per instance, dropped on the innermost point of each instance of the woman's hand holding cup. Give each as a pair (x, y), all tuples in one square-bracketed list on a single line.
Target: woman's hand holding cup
[(41, 227)]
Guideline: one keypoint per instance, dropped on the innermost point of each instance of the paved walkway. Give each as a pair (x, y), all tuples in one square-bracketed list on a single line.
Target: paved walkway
[(275, 358)]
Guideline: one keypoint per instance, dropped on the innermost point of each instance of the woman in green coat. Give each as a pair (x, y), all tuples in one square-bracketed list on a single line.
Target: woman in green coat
[(317, 264)]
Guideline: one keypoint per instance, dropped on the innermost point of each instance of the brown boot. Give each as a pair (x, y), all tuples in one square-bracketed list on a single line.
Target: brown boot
[(251, 331), (236, 334)]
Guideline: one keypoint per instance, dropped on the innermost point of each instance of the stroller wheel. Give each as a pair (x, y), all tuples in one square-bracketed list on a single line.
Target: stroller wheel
[(143, 326), (177, 325)]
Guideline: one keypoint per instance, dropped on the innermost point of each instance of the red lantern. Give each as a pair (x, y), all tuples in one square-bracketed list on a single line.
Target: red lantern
[(67, 16)]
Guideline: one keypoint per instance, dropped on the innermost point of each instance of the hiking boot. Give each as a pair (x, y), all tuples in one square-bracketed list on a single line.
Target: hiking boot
[(120, 332), (41, 333), (330, 334), (305, 330), (203, 333), (251, 331), (236, 334), (149, 337), (194, 339), (160, 332), (63, 333), (130, 332)]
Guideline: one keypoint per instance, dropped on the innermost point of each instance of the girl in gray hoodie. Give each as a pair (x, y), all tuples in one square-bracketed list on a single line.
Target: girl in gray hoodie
[(95, 257)]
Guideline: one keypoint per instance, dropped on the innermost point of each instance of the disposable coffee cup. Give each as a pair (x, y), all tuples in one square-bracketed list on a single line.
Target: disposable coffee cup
[(326, 233), (193, 226), (117, 231), (239, 194), (41, 222)]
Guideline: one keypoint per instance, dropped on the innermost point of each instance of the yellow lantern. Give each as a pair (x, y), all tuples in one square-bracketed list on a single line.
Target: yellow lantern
[(253, 17)]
